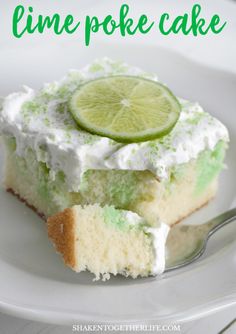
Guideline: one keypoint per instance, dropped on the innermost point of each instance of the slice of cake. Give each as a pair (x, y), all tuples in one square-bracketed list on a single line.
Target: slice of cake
[(52, 164), (108, 241)]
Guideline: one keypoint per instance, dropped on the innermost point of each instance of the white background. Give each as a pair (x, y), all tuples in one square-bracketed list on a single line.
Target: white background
[(214, 50)]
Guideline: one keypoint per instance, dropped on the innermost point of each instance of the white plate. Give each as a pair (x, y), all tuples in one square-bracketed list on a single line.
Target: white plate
[(35, 284)]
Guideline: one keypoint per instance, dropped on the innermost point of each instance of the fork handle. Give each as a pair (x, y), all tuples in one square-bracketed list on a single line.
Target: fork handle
[(225, 218)]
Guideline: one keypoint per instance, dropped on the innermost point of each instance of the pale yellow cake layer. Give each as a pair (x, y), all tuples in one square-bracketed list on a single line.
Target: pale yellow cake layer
[(191, 186), (102, 241)]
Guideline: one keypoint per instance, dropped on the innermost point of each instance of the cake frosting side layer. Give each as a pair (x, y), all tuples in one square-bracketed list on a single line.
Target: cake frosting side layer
[(42, 121)]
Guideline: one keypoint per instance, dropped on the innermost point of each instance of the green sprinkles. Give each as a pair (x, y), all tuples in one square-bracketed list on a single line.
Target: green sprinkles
[(56, 96)]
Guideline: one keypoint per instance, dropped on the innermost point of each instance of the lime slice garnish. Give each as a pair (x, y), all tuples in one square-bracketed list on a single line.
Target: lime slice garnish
[(125, 108)]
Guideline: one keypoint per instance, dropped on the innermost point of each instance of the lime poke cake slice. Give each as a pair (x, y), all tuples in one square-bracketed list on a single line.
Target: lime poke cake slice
[(111, 134), (108, 241)]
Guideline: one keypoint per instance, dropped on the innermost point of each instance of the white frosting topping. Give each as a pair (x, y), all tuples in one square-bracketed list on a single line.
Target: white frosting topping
[(159, 234), (159, 237), (132, 218), (42, 121)]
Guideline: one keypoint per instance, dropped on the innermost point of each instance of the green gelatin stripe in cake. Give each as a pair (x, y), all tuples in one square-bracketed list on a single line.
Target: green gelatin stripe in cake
[(10, 143), (119, 187), (176, 175), (120, 219), (114, 217), (124, 192), (39, 187), (43, 180), (209, 165)]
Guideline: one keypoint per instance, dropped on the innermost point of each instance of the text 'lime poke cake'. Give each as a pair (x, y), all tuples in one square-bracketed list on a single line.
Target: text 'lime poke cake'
[(111, 135)]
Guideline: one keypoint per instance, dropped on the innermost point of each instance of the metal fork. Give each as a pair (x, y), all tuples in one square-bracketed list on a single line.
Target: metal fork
[(194, 240)]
